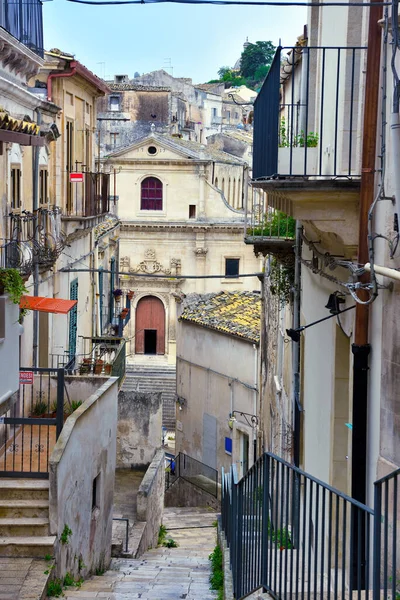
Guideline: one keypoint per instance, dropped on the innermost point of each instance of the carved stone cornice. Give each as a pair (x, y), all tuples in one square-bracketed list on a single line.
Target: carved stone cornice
[(17, 57), (182, 227)]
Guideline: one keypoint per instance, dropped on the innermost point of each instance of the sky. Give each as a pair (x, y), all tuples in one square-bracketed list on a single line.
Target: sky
[(196, 40)]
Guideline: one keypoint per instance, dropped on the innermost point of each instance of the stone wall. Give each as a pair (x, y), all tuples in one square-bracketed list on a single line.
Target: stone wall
[(184, 493), (150, 502), (139, 428), (84, 453)]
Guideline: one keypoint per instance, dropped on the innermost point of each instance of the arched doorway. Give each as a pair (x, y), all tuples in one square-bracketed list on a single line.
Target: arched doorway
[(150, 326)]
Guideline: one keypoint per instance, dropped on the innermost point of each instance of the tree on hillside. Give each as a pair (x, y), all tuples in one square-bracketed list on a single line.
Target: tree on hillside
[(222, 71), (254, 56)]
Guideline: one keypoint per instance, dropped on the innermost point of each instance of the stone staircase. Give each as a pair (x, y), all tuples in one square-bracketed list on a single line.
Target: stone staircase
[(162, 573), (24, 518), (154, 378)]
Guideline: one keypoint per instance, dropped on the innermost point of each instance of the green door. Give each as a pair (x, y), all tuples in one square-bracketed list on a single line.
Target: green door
[(73, 319)]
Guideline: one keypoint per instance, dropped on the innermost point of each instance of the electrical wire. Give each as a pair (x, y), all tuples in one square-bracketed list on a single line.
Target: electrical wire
[(232, 2), (157, 276)]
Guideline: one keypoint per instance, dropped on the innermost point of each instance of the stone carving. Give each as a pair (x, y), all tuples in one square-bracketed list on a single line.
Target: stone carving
[(150, 264), (125, 263), (201, 252)]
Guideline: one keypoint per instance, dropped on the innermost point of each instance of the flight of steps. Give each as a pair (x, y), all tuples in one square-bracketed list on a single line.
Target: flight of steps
[(154, 378), (24, 518), (162, 573)]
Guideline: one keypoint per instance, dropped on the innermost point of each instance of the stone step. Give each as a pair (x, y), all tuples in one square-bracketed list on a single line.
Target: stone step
[(24, 508), (26, 546), (26, 526), (24, 489)]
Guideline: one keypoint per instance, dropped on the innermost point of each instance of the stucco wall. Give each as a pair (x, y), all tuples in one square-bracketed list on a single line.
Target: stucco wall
[(215, 374), (85, 450), (139, 428), (150, 502)]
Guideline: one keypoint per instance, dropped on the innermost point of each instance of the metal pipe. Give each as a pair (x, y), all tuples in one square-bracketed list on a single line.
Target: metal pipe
[(58, 75), (296, 349), (392, 273), (35, 208)]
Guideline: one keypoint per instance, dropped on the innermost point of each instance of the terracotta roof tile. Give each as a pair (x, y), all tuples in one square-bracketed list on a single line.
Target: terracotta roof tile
[(232, 313)]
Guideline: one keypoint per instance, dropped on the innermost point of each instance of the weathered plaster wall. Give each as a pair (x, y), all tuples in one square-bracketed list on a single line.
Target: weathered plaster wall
[(85, 450), (139, 428), (212, 369), (150, 502)]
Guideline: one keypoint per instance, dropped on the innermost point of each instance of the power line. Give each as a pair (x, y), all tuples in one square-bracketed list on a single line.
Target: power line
[(233, 3), (155, 276)]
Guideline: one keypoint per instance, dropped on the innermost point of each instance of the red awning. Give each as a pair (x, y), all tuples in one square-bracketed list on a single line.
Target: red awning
[(48, 305)]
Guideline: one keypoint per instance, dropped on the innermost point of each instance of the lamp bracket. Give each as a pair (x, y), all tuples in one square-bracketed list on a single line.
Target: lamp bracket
[(254, 420)]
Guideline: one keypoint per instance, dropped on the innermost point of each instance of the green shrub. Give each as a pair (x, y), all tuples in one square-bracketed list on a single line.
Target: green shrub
[(39, 408), (64, 537), (162, 533), (55, 588), (170, 543), (217, 572)]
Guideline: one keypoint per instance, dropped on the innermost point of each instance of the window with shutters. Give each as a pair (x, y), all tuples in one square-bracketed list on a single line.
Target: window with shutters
[(43, 186), (151, 194), (73, 319), (15, 187)]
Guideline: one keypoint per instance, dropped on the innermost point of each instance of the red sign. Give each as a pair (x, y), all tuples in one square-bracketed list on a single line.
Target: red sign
[(76, 177), (26, 377)]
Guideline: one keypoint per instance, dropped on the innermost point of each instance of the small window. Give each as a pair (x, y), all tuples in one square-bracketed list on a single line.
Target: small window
[(114, 103), (15, 187), (114, 139), (96, 492), (151, 194), (192, 211), (152, 150), (43, 186), (214, 112), (216, 182), (232, 267)]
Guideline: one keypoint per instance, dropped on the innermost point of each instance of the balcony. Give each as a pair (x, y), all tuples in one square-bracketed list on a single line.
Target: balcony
[(23, 20), (308, 136), (35, 239), (102, 356), (90, 198)]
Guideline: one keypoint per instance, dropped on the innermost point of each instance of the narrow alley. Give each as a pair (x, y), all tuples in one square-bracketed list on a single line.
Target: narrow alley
[(162, 573)]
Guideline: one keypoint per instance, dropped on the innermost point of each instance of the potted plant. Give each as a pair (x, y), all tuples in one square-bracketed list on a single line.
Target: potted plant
[(117, 293), (12, 284), (39, 409), (108, 368), (124, 313), (98, 366), (292, 152), (130, 294), (86, 366)]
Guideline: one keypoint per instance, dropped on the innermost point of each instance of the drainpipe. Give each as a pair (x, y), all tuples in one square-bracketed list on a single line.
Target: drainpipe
[(255, 412), (97, 287), (361, 347), (35, 206), (56, 75), (296, 407)]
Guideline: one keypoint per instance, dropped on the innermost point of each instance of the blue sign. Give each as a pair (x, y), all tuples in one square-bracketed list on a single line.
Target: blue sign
[(228, 445)]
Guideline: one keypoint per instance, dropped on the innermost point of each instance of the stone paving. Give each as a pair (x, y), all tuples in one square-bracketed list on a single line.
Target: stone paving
[(162, 573), (22, 578)]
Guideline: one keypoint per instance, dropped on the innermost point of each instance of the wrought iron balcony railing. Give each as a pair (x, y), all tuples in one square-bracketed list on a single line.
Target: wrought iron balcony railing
[(91, 200), (24, 21), (35, 239), (308, 114)]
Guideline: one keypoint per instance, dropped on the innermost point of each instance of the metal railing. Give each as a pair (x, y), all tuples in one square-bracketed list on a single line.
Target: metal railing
[(24, 21), (97, 194), (296, 536), (307, 116), (30, 428), (194, 471), (387, 542)]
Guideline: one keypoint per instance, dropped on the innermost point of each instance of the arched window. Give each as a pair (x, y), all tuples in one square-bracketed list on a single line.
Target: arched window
[(216, 182), (234, 194), (151, 194), (223, 186)]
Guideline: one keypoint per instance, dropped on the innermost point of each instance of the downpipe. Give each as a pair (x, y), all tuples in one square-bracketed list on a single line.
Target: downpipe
[(35, 206), (395, 131)]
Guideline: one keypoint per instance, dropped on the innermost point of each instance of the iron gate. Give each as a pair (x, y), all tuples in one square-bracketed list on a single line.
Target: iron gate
[(32, 424)]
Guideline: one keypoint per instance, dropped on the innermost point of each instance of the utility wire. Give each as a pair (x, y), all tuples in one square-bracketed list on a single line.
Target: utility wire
[(233, 3), (156, 276)]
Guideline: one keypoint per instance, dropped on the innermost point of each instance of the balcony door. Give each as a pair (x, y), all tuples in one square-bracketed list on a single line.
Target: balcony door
[(150, 326), (73, 319)]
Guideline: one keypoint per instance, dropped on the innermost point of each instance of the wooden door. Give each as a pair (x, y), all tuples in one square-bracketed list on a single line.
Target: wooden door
[(150, 314)]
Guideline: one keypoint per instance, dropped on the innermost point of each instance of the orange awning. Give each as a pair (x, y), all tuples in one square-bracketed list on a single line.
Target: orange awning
[(48, 305)]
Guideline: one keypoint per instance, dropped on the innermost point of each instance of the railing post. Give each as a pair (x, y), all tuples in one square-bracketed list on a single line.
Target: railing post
[(60, 402), (376, 551), (265, 521), (239, 540)]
